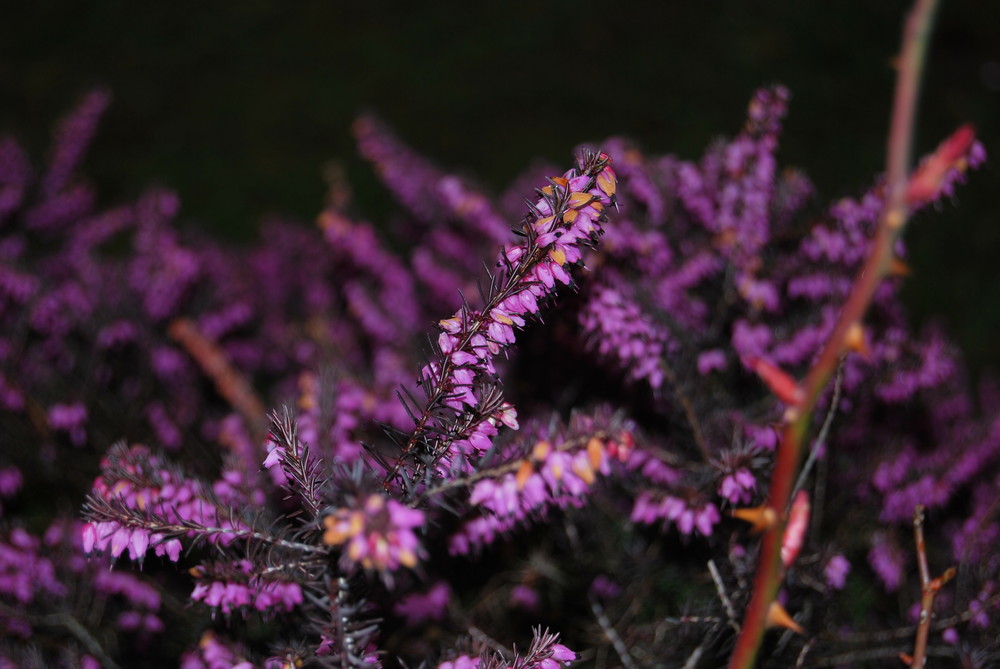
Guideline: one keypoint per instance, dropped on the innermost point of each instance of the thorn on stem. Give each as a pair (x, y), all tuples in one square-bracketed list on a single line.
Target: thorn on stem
[(763, 518), (777, 616)]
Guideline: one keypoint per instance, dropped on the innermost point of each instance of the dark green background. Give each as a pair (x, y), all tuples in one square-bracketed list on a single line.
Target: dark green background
[(238, 105)]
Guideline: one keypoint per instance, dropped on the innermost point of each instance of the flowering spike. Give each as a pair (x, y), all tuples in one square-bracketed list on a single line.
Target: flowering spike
[(780, 382)]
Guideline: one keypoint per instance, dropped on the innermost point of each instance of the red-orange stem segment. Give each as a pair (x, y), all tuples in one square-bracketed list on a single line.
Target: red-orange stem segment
[(877, 265)]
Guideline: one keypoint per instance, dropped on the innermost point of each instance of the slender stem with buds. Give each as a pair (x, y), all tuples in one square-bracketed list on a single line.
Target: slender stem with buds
[(768, 577), (929, 588)]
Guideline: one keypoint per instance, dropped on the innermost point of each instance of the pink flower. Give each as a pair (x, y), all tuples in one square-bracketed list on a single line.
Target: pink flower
[(378, 536), (431, 605), (836, 571)]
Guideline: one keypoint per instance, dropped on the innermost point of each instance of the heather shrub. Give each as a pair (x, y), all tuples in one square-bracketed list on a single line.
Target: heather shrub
[(497, 432)]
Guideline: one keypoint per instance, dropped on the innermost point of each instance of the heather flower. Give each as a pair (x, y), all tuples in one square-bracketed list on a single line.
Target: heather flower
[(567, 215), (461, 662), (408, 175), (72, 137), (651, 508), (10, 481), (731, 190), (652, 468), (738, 487), (617, 329), (214, 653), (417, 608), (605, 588), (979, 607), (525, 597), (71, 419), (559, 472), (23, 573), (544, 653), (887, 560), (836, 570), (711, 361), (244, 590), (379, 535), (390, 313), (145, 487), (701, 269)]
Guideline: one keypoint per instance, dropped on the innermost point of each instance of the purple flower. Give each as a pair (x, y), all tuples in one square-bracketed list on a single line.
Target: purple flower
[(71, 419), (887, 560), (738, 486), (836, 570), (244, 590), (709, 361), (460, 662), (525, 597), (417, 608)]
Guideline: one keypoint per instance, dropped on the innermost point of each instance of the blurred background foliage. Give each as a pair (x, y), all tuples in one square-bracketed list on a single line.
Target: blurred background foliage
[(239, 106)]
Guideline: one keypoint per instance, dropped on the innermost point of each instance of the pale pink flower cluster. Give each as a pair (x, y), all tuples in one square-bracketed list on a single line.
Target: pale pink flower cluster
[(113, 538), (653, 508), (169, 496), (551, 476), (379, 535), (266, 596)]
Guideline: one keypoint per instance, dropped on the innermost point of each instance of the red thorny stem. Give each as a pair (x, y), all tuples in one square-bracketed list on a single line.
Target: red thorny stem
[(876, 266)]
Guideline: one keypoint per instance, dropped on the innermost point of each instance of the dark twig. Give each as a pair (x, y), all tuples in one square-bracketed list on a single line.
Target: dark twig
[(909, 630), (929, 587), (824, 431), (721, 589), (230, 383), (612, 634), (71, 625), (688, 408)]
